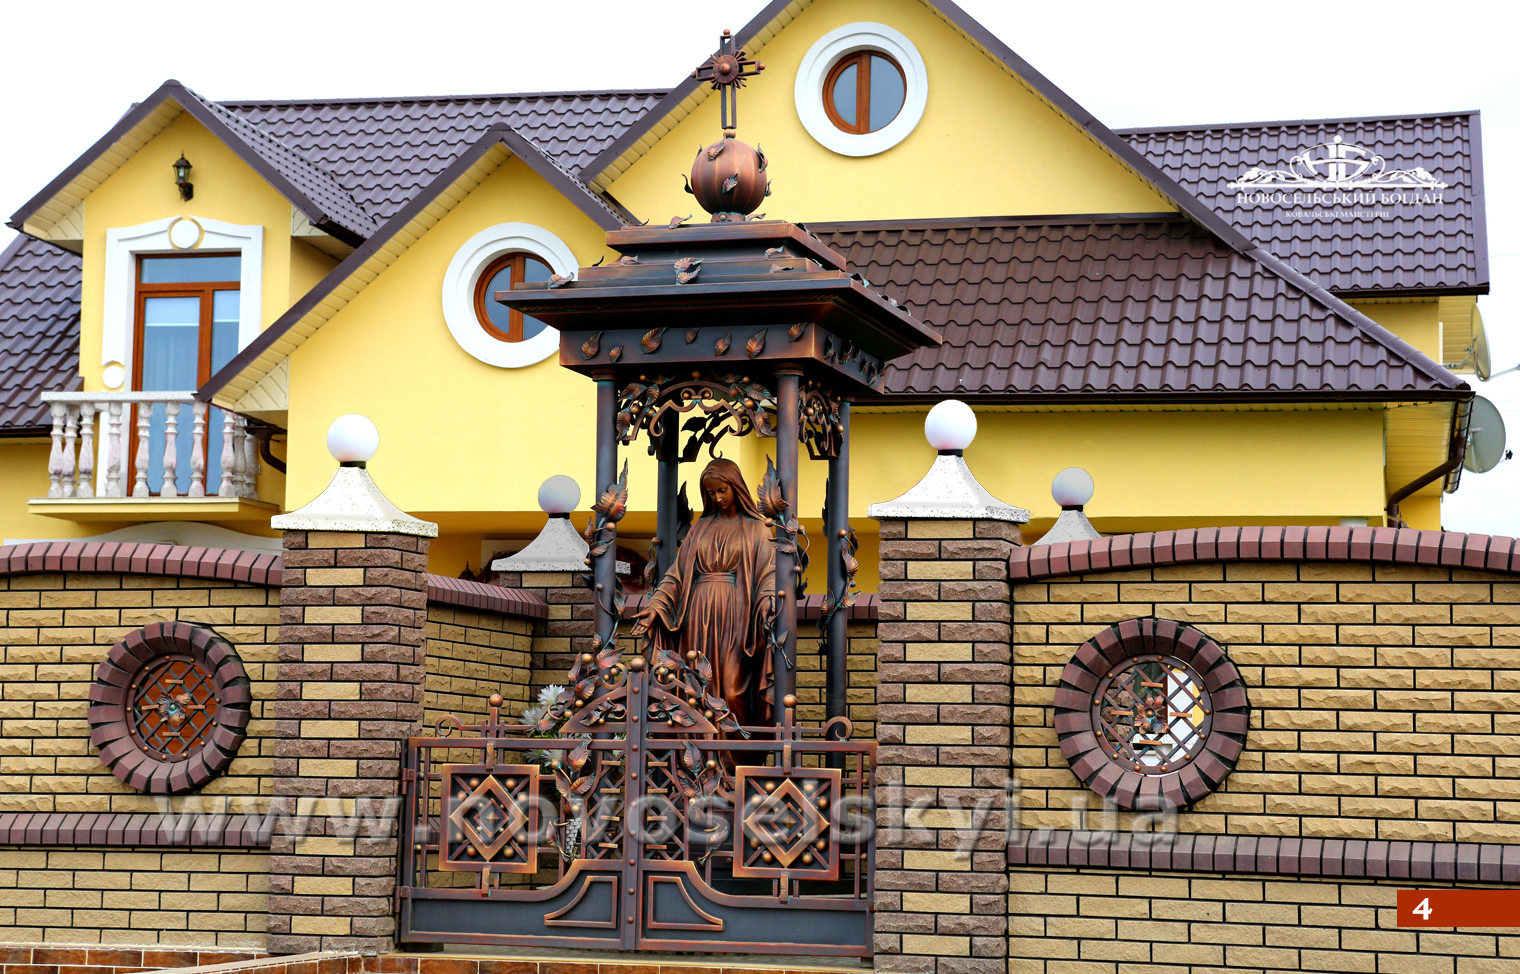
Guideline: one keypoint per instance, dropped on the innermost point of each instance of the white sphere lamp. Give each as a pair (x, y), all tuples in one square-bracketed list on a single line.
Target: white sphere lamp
[(950, 427), (1072, 488), (559, 495), (352, 439)]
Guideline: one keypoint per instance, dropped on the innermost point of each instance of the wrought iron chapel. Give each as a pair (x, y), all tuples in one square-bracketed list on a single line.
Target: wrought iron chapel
[(654, 819)]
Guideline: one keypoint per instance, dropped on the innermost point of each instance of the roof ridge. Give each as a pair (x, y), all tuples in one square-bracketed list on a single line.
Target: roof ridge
[(1286, 122), (1011, 220), (396, 99)]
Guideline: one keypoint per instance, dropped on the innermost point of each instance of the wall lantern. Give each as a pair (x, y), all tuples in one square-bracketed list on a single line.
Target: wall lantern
[(182, 178)]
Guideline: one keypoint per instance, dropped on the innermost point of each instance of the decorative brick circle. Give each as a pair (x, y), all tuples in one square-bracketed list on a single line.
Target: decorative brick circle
[(169, 707), (1151, 713)]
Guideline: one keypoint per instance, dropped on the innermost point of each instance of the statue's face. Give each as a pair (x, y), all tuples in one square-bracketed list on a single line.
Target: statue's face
[(721, 493)]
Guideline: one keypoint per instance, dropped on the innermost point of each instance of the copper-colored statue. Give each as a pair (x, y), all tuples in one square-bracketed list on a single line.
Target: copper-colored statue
[(718, 597)]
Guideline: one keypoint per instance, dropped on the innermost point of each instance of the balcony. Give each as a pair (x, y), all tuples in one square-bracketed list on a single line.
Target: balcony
[(162, 456)]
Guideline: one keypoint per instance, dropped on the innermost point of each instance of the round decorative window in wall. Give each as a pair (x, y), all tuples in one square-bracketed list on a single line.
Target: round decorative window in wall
[(169, 708), (861, 89), (1151, 714), (493, 260)]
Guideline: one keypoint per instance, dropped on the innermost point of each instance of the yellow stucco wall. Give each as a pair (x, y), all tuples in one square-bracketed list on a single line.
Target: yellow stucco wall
[(986, 145)]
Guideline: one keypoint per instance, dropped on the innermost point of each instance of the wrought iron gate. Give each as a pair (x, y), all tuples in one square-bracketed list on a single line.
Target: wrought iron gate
[(644, 827)]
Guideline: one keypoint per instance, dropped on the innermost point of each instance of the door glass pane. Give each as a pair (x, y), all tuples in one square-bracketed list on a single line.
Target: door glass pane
[(224, 345), (844, 95), (887, 92), (534, 271), (170, 363), (187, 270)]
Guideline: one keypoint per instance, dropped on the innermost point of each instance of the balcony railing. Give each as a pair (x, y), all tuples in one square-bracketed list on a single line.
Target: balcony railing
[(148, 444)]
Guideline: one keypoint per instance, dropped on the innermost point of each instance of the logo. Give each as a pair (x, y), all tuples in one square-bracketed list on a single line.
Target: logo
[(1337, 174), (1337, 164)]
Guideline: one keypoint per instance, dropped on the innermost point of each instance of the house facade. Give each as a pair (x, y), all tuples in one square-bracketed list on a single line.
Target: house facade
[(1252, 335), (1106, 297)]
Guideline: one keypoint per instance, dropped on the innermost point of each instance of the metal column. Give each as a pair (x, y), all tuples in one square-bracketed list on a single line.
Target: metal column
[(835, 533), (787, 437), (604, 567), (667, 449)]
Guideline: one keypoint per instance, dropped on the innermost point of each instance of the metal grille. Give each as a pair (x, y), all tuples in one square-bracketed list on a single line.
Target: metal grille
[(171, 706), (1153, 713)]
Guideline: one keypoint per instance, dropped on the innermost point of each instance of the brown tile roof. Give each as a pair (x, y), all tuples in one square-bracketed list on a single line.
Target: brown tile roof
[(1442, 247), (39, 331), (1146, 308), (384, 150)]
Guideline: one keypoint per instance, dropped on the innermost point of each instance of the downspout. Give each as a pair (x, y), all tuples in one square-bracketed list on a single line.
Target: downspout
[(1455, 452)]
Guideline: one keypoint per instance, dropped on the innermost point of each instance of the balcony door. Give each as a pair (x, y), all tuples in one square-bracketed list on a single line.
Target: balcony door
[(187, 329)]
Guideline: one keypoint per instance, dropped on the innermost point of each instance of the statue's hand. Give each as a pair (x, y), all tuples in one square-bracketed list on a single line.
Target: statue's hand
[(643, 620)]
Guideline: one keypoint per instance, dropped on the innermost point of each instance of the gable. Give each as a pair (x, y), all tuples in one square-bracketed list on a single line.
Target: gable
[(987, 142)]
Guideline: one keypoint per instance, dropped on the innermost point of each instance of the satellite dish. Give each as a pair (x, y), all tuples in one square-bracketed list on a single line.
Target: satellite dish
[(1482, 364), (1485, 437)]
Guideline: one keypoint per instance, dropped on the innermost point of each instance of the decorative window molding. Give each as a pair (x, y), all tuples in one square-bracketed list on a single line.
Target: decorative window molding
[(172, 235), (169, 708), (460, 280), (1158, 757), (829, 50)]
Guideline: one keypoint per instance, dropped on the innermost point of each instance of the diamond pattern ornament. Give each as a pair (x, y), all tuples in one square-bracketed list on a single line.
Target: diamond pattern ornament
[(491, 818), (786, 823)]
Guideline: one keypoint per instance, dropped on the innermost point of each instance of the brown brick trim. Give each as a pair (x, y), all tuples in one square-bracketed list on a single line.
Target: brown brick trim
[(185, 561), (1471, 862), (1389, 546), (133, 762), (486, 598), (1117, 782), (134, 829)]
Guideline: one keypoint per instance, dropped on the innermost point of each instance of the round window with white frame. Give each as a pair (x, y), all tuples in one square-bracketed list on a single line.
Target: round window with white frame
[(861, 89), (493, 260)]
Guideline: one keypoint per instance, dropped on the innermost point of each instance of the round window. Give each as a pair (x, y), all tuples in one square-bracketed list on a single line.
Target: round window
[(1151, 714), (864, 92), (500, 322)]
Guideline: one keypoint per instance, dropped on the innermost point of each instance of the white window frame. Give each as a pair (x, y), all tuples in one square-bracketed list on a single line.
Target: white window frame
[(460, 280), (828, 51), (125, 244)]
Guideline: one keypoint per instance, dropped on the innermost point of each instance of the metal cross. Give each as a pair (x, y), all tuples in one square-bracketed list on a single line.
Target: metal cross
[(727, 70)]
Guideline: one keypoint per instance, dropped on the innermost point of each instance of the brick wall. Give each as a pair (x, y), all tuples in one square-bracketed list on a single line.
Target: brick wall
[(943, 706), (861, 679), (1385, 698), (54, 631), (471, 655), (1063, 922)]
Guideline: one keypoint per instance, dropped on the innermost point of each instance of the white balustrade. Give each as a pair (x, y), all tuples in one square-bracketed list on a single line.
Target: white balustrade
[(74, 472)]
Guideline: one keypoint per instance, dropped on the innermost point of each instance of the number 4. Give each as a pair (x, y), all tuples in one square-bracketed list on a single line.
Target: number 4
[(1423, 911)]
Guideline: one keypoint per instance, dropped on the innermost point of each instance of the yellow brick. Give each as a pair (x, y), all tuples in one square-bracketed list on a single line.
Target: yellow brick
[(936, 945), (334, 615), (955, 570), (334, 539), (956, 903), (934, 693), (332, 926), (937, 734), (923, 859), (937, 777), (324, 885), (334, 576), (941, 529)]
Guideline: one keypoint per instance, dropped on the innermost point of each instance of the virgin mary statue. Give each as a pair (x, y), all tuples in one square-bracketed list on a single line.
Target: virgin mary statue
[(719, 595)]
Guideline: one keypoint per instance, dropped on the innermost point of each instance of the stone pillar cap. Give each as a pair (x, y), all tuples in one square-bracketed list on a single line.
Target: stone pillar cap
[(352, 502), (1072, 525), (558, 548), (949, 491)]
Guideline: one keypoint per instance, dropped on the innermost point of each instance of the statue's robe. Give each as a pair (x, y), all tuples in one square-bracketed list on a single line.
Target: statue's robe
[(717, 599)]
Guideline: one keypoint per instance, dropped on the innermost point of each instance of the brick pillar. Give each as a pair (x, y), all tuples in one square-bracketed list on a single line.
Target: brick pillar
[(353, 617), (568, 630), (945, 716)]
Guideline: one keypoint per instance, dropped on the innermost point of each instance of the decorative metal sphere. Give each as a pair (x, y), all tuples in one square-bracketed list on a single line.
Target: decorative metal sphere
[(352, 438), (559, 495), (728, 179), (950, 425), (1072, 487)]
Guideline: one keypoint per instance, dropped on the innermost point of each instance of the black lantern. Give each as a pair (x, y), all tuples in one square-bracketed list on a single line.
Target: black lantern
[(182, 178)]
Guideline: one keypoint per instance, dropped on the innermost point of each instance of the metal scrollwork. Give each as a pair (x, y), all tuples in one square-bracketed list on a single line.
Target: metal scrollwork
[(790, 539), (848, 544), (726, 404), (819, 424)]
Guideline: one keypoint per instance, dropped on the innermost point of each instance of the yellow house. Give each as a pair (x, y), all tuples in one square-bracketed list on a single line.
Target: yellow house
[(1228, 324)]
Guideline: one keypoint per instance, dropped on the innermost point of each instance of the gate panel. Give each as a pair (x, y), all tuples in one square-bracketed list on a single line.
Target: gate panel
[(653, 832)]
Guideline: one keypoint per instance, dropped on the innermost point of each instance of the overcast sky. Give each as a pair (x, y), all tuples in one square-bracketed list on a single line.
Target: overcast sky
[(1128, 63)]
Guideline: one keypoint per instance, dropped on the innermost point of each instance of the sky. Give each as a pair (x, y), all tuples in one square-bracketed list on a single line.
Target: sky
[(1130, 64)]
